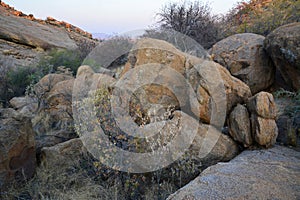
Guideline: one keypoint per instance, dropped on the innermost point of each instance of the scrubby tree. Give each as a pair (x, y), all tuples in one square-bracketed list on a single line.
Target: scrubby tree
[(192, 19)]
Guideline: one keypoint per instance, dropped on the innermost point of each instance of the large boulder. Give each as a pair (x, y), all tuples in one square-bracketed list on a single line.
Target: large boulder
[(217, 91), (208, 144), (254, 123), (208, 147), (259, 174), (155, 73), (54, 93), (17, 148), (244, 56), (283, 45), (148, 50), (53, 121), (164, 75)]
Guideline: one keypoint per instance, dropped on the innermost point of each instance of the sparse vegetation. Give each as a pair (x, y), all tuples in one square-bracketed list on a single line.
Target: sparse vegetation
[(15, 82), (195, 19), (260, 16), (293, 109)]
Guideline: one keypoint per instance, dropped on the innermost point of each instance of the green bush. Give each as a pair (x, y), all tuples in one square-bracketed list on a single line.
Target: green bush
[(15, 81), (19, 80), (61, 57)]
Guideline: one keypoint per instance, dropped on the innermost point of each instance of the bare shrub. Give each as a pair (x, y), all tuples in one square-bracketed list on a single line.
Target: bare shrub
[(192, 19)]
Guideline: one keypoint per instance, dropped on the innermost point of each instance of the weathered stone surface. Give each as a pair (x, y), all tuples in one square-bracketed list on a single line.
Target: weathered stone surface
[(25, 41), (203, 145), (25, 105), (263, 105), (209, 144), (17, 148), (62, 155), (53, 121), (88, 81), (55, 109), (155, 69), (177, 79), (244, 56), (283, 45), (148, 50), (240, 126), (264, 131), (32, 34), (47, 83), (19, 102), (14, 55), (145, 89), (217, 91), (259, 174)]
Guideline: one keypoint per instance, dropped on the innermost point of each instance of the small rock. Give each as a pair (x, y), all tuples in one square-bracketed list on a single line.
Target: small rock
[(265, 131), (263, 105), (240, 126)]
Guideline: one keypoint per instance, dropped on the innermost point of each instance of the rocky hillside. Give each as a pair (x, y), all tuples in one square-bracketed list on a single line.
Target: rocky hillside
[(23, 38), (148, 120), (27, 44)]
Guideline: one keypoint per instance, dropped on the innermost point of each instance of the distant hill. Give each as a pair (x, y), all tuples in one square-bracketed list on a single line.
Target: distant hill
[(101, 36)]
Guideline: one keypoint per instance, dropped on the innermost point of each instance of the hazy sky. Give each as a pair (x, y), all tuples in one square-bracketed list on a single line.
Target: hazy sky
[(105, 16)]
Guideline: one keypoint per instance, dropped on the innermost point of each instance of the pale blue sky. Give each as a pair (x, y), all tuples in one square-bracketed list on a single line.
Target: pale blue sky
[(105, 16)]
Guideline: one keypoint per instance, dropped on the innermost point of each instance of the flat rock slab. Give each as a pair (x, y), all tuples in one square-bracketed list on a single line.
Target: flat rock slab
[(33, 34), (258, 174)]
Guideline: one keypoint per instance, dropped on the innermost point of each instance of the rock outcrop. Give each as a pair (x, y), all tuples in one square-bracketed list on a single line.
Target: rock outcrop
[(17, 148), (182, 74), (283, 46), (53, 120), (33, 34), (244, 56), (24, 39), (259, 174), (254, 123), (180, 102), (217, 91)]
